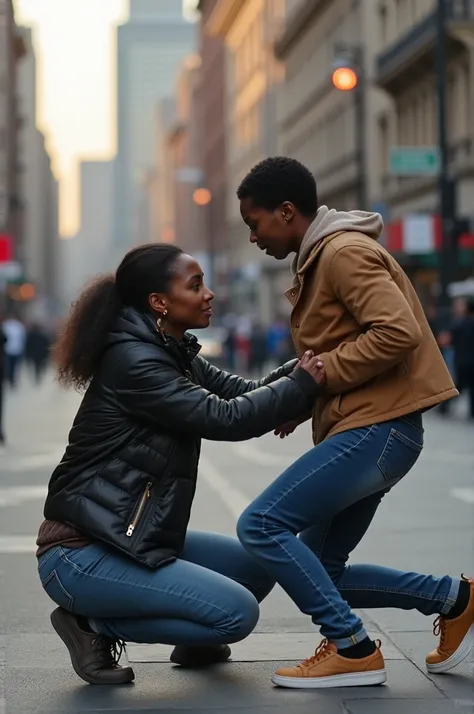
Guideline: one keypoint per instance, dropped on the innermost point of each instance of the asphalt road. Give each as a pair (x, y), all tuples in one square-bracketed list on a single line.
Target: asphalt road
[(426, 524)]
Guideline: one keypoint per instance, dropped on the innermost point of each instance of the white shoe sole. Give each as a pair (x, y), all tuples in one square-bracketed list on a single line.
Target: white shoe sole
[(462, 652), (357, 679)]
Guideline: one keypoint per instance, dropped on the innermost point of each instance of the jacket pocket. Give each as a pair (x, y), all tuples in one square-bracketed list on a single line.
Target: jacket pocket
[(138, 512), (336, 406), (57, 592), (399, 455)]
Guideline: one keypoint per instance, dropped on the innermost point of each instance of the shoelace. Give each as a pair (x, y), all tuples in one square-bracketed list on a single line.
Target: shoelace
[(322, 651), (109, 651), (439, 630), (439, 625)]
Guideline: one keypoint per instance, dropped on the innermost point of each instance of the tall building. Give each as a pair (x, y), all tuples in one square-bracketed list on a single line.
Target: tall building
[(248, 28), (96, 191), (12, 50), (395, 42), (150, 47), (317, 123), (89, 252), (38, 188), (50, 300), (210, 105), (185, 161), (405, 67), (161, 222)]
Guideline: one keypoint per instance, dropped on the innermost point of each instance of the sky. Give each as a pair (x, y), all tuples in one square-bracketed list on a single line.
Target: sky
[(75, 54)]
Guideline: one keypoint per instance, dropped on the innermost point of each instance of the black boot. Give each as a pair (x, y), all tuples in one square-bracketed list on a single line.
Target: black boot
[(94, 657), (200, 656)]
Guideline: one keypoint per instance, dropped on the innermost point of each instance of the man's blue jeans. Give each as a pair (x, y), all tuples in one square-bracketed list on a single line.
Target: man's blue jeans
[(209, 596), (303, 527)]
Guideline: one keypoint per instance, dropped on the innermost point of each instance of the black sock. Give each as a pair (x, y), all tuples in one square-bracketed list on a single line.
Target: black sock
[(360, 650), (461, 603), (84, 624)]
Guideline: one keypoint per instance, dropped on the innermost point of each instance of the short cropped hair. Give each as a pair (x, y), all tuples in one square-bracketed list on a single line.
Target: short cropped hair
[(278, 179)]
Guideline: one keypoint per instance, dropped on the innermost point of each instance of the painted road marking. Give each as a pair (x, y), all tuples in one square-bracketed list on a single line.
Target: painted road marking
[(464, 494), (16, 495), (234, 499), (18, 544)]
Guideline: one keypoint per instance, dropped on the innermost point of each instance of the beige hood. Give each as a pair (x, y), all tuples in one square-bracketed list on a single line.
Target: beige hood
[(330, 221)]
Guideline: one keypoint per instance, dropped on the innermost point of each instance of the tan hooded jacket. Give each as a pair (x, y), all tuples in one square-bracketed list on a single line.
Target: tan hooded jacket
[(354, 306)]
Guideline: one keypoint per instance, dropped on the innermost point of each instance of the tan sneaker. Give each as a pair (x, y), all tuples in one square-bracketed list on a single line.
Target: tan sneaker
[(326, 668), (456, 638)]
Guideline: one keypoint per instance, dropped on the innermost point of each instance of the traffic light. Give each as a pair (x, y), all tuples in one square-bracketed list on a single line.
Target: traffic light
[(344, 78)]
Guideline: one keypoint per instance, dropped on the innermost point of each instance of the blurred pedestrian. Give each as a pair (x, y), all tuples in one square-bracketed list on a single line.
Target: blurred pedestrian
[(15, 333), (355, 308), (115, 552), (243, 329), (463, 345), (277, 339), (3, 341), (230, 348), (258, 349), (444, 334), (37, 350)]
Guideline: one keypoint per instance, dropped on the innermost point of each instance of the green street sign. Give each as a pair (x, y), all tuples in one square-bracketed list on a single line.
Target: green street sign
[(414, 160)]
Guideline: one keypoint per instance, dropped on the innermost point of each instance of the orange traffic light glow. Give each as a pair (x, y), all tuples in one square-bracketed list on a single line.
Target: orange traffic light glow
[(24, 292), (202, 196), (344, 79)]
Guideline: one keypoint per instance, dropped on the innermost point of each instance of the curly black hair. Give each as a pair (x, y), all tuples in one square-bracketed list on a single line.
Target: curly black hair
[(79, 349), (278, 179)]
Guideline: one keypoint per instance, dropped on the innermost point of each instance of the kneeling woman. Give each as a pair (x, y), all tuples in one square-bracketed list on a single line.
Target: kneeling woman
[(113, 552)]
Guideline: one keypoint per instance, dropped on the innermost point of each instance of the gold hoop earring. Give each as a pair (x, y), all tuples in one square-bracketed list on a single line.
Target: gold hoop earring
[(160, 320)]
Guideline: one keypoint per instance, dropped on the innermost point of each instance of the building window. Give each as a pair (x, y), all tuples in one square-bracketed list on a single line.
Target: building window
[(401, 10)]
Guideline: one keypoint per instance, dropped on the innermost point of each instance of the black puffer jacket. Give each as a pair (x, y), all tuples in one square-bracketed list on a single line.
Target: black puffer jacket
[(129, 472)]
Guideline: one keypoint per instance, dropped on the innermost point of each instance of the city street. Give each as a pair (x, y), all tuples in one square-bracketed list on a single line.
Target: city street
[(426, 524)]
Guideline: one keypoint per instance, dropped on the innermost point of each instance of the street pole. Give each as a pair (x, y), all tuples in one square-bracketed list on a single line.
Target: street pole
[(446, 184), (349, 75), (211, 247), (360, 97)]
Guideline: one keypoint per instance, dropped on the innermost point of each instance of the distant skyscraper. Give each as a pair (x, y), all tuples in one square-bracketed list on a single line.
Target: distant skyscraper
[(38, 188), (150, 48)]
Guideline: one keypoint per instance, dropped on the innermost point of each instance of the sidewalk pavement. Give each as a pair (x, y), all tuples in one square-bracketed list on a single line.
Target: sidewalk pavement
[(422, 526)]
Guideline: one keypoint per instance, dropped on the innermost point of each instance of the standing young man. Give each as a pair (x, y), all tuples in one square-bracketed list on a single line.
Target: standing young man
[(353, 305)]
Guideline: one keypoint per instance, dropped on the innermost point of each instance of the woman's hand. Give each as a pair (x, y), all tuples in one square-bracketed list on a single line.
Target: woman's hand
[(288, 428)]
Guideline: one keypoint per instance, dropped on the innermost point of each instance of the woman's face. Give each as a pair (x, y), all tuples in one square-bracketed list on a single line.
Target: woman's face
[(188, 300)]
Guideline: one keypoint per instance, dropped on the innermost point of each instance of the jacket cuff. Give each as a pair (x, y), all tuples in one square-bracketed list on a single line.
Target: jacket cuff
[(305, 382), (289, 367)]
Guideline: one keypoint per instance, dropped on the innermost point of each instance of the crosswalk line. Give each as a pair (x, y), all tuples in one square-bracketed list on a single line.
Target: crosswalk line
[(464, 494)]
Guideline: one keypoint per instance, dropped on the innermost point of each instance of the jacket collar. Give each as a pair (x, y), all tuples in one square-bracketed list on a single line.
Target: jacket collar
[(293, 293), (133, 325)]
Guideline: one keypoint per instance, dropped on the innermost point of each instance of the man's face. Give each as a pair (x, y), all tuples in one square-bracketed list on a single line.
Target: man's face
[(270, 231)]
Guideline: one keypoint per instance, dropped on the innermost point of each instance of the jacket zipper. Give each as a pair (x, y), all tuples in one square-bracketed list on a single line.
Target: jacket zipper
[(139, 511)]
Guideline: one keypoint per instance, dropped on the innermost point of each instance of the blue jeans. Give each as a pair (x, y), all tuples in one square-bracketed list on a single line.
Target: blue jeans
[(329, 497), (209, 596)]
